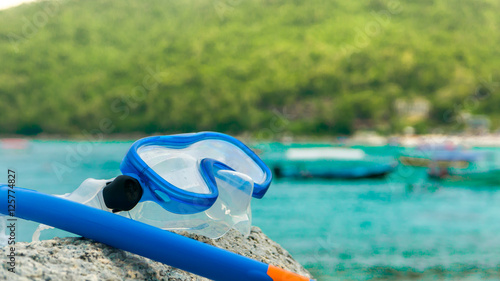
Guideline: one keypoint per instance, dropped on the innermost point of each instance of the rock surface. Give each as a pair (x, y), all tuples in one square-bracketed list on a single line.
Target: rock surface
[(84, 259)]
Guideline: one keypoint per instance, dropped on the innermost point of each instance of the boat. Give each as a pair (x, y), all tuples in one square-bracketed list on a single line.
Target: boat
[(453, 178), (331, 162), (464, 168), (424, 155), (14, 143)]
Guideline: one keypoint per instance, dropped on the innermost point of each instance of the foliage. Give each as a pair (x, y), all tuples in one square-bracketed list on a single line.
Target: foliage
[(326, 67)]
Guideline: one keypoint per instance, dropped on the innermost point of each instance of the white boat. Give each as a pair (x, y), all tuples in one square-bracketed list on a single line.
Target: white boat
[(324, 153)]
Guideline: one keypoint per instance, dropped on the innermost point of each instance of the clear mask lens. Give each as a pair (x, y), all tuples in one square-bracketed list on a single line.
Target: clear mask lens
[(180, 166), (230, 210)]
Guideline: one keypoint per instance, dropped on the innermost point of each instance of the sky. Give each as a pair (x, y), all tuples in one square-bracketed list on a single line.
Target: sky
[(4, 4)]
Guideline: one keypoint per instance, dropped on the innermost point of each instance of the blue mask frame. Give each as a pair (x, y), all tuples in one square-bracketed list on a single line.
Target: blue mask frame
[(177, 200)]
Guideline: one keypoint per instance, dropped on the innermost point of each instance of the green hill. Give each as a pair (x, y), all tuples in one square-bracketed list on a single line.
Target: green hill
[(265, 67)]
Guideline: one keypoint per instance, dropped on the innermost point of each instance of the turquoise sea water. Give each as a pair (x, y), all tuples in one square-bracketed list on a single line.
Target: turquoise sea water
[(377, 229)]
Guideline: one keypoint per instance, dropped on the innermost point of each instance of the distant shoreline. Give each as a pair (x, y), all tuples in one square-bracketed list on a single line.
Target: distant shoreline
[(488, 140)]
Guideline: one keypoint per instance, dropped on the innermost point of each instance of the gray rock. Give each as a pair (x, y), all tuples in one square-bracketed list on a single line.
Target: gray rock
[(84, 259)]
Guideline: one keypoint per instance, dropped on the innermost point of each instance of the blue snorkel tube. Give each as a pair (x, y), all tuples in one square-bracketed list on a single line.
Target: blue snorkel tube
[(140, 238)]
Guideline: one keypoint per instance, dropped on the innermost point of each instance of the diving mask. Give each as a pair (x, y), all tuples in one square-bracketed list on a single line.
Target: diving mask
[(201, 182)]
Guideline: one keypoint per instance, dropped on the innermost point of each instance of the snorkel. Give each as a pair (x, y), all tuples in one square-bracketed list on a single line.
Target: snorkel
[(140, 238), (201, 183)]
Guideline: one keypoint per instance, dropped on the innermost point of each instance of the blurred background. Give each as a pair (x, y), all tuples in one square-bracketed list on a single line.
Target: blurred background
[(380, 119)]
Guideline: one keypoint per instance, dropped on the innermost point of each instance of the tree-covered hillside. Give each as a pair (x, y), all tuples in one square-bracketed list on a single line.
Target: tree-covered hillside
[(307, 67)]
